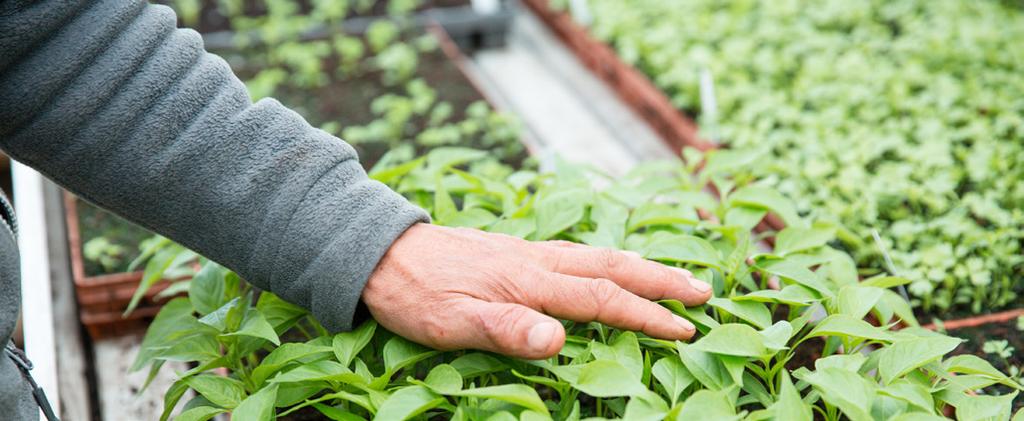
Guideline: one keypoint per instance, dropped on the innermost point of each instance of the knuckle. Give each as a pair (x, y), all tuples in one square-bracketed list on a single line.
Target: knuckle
[(500, 327), (609, 260), (603, 291)]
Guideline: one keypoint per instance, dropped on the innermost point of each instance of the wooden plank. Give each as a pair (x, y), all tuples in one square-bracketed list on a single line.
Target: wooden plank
[(72, 361), (119, 396)]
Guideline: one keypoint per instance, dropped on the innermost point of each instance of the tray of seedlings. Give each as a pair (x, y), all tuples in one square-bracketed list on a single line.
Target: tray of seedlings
[(396, 87), (763, 351)]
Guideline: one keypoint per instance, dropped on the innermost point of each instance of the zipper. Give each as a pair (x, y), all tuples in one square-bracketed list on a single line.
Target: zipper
[(23, 364)]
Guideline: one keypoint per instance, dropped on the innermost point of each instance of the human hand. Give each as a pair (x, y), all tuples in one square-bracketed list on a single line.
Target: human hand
[(458, 288)]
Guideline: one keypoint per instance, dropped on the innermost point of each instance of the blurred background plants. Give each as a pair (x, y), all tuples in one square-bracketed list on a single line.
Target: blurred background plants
[(905, 117)]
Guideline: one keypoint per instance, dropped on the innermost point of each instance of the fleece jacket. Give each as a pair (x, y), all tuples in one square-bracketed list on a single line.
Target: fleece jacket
[(112, 102)]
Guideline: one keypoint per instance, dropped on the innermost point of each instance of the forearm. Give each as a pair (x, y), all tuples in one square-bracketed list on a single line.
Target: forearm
[(111, 101)]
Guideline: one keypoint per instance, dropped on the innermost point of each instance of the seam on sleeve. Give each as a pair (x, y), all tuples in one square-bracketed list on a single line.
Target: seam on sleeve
[(271, 282), (63, 89)]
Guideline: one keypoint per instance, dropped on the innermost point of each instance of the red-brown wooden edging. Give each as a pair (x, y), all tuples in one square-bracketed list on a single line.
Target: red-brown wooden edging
[(102, 299), (675, 128)]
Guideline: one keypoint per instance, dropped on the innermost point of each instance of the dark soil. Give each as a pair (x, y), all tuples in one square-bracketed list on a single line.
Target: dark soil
[(976, 337)]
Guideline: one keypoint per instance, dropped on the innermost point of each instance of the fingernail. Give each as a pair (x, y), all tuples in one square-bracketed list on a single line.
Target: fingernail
[(684, 323), (699, 285), (632, 254), (541, 336)]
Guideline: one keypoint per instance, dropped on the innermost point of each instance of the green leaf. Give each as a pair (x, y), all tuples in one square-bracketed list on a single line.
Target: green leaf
[(845, 325), (391, 174), (173, 322), (793, 295), (558, 212), (729, 161), (408, 402), (907, 355), (625, 350), (848, 362), (444, 157), (708, 369), (768, 199), (911, 393), (222, 391), (257, 407), (324, 370), (673, 376), (207, 289), (444, 207), (885, 281), (477, 364), (733, 339), (199, 413), (777, 335), (985, 408), (256, 326), (797, 239), (282, 356), (518, 394), (796, 273), (847, 390), (278, 312), (471, 218), (684, 249), (744, 217), (649, 214), (400, 353), (444, 379), (971, 364), (789, 405), (166, 258), (646, 407), (604, 379), (899, 306), (856, 300), (753, 312), (519, 227), (348, 344), (708, 405), (336, 414)]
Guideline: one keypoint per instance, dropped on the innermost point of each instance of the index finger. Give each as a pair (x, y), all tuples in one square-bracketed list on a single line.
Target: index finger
[(630, 271)]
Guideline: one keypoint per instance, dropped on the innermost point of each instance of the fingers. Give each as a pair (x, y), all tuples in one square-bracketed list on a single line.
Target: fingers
[(511, 329), (601, 300), (629, 270)]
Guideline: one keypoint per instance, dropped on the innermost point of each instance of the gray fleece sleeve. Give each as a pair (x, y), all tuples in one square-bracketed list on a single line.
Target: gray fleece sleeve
[(113, 102)]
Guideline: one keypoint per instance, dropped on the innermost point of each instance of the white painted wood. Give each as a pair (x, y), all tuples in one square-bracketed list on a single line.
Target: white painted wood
[(119, 390), (36, 308), (566, 110)]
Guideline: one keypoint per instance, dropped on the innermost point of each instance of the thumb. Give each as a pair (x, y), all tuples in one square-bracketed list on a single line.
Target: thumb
[(516, 330)]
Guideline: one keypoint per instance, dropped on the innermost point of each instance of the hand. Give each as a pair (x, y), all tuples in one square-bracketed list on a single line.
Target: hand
[(455, 288)]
